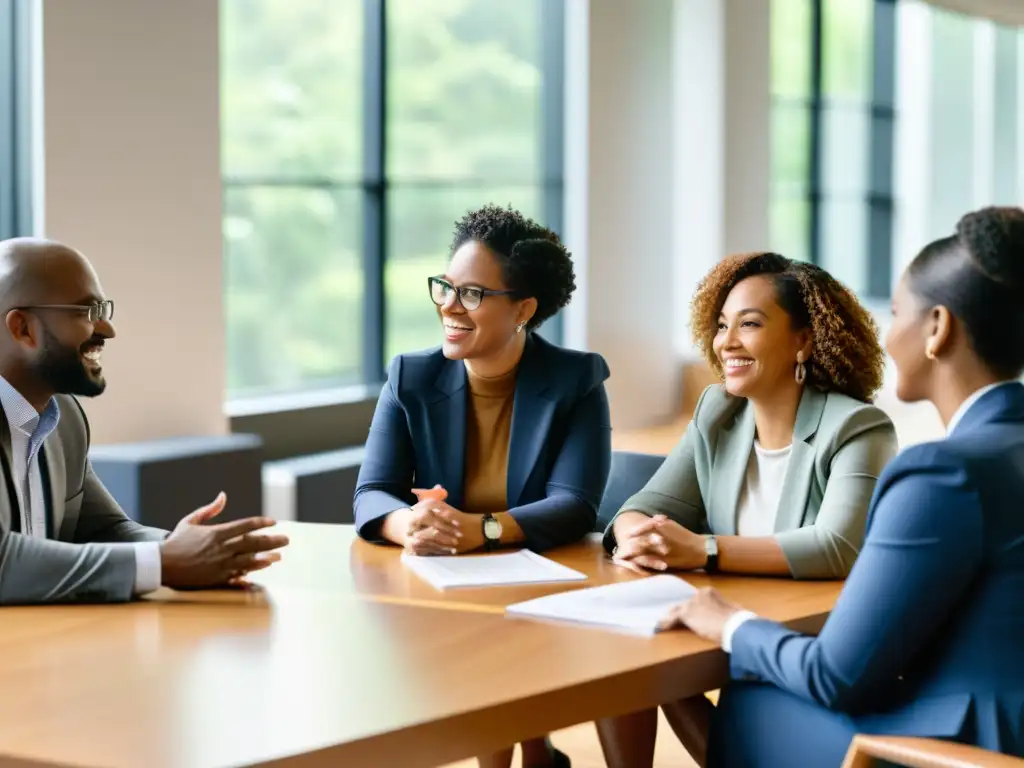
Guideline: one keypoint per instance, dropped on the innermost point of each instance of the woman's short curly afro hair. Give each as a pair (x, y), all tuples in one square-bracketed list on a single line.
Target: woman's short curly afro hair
[(533, 259), (846, 356)]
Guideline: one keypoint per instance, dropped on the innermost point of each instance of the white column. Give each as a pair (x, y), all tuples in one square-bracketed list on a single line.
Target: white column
[(912, 151), (1007, 129), (748, 125), (130, 176), (722, 113), (577, 166), (1020, 117), (984, 112), (668, 143), (699, 175), (619, 199)]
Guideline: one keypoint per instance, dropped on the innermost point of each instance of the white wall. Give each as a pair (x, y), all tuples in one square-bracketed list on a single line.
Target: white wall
[(722, 134), (619, 192), (668, 163), (131, 177)]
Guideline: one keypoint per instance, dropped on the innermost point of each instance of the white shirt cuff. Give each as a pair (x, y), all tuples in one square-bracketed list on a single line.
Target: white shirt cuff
[(147, 567), (733, 623)]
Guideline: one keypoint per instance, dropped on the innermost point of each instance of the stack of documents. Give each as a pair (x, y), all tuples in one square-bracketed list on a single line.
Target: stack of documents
[(634, 606), (523, 567)]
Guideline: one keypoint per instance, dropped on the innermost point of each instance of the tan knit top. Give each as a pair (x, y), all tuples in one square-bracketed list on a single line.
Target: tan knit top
[(488, 429)]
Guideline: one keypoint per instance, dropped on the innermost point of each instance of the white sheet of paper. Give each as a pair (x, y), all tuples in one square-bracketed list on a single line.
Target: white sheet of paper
[(523, 567), (635, 606)]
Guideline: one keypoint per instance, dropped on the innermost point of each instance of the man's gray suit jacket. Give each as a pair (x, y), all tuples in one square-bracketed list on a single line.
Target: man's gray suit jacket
[(90, 557)]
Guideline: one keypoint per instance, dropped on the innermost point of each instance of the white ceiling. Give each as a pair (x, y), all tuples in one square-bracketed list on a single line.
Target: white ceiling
[(1001, 11)]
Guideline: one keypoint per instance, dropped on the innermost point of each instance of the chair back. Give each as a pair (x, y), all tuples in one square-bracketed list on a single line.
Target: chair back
[(629, 473), (892, 751)]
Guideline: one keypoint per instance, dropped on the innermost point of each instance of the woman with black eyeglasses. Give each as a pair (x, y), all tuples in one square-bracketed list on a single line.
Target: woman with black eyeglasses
[(510, 433)]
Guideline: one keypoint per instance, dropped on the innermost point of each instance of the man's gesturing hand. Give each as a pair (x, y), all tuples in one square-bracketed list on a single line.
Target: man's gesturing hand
[(198, 555)]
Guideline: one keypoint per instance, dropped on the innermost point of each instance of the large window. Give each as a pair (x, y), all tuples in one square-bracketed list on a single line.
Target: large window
[(849, 190), (15, 119), (833, 111), (355, 133), (974, 122)]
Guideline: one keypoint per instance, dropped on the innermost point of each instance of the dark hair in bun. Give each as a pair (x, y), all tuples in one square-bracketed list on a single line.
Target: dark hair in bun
[(994, 239), (978, 274), (533, 259)]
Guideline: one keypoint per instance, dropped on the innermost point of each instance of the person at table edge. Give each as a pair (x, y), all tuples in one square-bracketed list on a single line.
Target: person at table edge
[(775, 471), (63, 537), (925, 638), (515, 429)]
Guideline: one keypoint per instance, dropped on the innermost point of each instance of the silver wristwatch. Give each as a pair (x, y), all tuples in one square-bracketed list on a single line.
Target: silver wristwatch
[(492, 532), (711, 550)]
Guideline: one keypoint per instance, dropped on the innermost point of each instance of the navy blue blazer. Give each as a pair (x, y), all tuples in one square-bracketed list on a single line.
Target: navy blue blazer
[(559, 448), (927, 637)]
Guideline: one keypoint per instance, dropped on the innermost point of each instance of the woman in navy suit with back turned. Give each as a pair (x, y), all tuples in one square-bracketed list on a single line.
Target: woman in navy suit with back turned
[(513, 429), (925, 639)]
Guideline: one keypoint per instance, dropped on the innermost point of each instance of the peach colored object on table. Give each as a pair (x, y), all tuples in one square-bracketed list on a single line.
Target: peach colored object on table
[(437, 493)]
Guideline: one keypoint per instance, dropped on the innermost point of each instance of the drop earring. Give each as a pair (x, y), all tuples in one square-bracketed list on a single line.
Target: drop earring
[(801, 370), (519, 328)]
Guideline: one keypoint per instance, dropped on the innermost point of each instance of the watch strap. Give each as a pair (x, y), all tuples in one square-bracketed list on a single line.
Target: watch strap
[(711, 551), (489, 543)]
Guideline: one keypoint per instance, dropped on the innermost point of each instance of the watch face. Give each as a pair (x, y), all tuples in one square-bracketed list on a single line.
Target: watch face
[(710, 545), (492, 528)]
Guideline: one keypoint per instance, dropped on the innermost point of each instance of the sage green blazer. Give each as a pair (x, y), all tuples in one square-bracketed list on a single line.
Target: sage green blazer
[(840, 446)]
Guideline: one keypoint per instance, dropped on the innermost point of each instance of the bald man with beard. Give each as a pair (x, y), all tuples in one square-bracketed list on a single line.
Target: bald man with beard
[(63, 538)]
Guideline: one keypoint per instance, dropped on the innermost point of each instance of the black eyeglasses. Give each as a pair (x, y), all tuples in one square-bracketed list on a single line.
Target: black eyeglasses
[(470, 298), (101, 310)]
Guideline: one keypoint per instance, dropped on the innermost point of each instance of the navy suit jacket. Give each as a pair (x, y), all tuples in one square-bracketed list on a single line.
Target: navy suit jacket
[(927, 637), (559, 449)]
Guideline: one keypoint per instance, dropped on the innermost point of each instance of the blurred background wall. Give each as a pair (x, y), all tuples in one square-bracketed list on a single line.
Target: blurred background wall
[(265, 185)]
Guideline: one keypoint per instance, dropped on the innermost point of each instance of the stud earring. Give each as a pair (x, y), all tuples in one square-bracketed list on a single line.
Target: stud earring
[(801, 370), (519, 328)]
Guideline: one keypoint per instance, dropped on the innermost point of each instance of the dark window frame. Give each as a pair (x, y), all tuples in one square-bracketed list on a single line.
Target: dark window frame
[(304, 422), (15, 119), (881, 184), (880, 196)]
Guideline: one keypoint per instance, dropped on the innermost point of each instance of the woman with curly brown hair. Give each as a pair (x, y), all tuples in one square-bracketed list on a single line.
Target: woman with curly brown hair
[(776, 470)]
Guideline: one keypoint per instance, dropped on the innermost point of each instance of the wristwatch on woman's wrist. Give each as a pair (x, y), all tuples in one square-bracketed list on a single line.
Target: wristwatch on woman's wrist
[(711, 550), (492, 532)]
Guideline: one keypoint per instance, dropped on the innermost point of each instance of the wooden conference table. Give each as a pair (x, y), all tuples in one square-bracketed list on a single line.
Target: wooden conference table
[(341, 658)]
